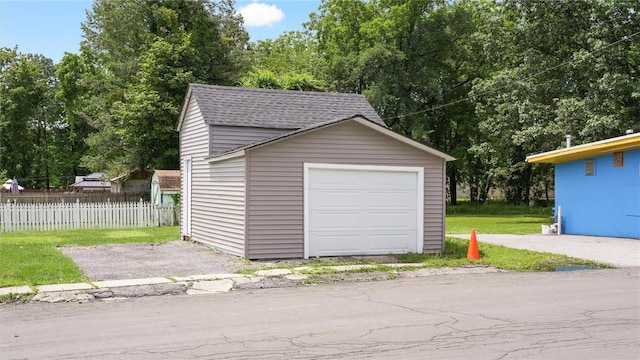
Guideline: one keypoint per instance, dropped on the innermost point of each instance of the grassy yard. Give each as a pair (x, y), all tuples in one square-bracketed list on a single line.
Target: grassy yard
[(496, 219), (455, 254), (32, 258)]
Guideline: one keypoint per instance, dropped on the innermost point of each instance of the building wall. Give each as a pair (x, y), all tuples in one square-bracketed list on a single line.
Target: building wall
[(275, 206), (217, 201), (225, 138), (605, 204)]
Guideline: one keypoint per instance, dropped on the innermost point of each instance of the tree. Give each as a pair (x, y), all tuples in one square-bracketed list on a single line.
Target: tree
[(145, 53), (565, 67), (73, 95), (414, 61), (28, 117)]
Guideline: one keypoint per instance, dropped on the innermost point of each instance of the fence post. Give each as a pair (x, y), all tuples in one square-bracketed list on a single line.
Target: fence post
[(76, 215), (140, 213), (7, 216)]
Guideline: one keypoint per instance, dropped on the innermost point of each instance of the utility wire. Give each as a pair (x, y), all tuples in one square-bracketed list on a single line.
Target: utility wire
[(624, 38)]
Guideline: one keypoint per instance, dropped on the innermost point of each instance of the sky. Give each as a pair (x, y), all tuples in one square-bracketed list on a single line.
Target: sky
[(52, 27)]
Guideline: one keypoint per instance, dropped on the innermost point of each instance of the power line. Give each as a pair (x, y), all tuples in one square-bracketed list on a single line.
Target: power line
[(624, 38)]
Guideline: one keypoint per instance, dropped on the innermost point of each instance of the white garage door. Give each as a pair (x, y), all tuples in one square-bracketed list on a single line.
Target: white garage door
[(362, 210)]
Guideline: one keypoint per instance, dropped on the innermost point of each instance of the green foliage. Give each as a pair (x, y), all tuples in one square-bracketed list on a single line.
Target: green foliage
[(497, 207), (564, 68), (489, 82), (29, 125), (32, 258), (266, 79), (145, 53)]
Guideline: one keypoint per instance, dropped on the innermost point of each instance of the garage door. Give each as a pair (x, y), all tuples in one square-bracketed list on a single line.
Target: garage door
[(362, 210)]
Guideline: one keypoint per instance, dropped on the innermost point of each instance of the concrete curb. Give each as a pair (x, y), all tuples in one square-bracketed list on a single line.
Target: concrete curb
[(189, 285)]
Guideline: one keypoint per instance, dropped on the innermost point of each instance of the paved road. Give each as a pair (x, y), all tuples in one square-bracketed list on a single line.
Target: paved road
[(614, 251), (563, 315)]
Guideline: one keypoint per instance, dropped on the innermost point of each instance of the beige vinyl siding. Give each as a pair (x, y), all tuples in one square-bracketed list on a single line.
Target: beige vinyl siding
[(192, 145), (275, 208), (225, 138), (221, 209), (218, 198)]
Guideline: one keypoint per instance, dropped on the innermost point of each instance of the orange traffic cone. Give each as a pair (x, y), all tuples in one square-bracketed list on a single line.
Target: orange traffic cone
[(473, 253)]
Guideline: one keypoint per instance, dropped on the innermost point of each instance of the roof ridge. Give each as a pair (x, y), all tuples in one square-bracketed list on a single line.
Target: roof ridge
[(288, 91)]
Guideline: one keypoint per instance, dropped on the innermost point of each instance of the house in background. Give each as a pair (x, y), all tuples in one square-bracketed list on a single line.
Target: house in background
[(291, 174), (598, 186), (94, 182), (165, 185), (135, 181)]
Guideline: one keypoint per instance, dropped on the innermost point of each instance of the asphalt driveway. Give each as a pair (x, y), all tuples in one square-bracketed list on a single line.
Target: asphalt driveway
[(615, 251)]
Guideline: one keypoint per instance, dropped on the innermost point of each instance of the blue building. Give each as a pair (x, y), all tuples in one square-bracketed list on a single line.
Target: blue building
[(597, 186)]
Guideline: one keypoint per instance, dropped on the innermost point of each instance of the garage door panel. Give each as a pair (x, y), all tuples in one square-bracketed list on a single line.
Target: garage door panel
[(392, 220), (362, 211), (390, 242), (391, 200), (332, 179), (334, 200), (330, 221), (336, 243), (391, 180)]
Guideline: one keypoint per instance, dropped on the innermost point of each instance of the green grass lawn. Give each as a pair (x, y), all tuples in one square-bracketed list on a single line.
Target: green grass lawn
[(497, 219), (488, 224), (33, 258), (455, 254)]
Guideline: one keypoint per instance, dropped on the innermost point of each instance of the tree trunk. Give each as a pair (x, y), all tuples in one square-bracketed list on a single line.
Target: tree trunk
[(453, 185)]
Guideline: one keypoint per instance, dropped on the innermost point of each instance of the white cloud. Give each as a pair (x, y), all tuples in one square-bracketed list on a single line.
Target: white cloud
[(258, 14)]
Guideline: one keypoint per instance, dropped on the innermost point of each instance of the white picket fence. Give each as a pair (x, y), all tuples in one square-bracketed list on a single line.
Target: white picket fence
[(77, 215)]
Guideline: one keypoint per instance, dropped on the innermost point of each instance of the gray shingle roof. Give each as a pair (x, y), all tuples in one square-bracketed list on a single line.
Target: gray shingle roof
[(280, 109)]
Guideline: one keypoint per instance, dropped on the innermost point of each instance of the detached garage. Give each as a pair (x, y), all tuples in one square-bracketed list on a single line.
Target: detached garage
[(287, 174)]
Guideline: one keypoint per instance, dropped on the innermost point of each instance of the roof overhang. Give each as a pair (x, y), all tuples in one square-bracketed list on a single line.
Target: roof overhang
[(621, 143), (185, 104), (225, 156), (404, 139)]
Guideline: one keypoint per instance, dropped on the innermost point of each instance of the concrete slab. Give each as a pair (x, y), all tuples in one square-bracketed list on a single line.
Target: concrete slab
[(399, 265), (64, 287), (207, 277), (303, 268), (350, 267), (62, 296), (615, 251), (210, 287), (273, 272), (246, 280), (131, 282), (296, 277), (15, 290)]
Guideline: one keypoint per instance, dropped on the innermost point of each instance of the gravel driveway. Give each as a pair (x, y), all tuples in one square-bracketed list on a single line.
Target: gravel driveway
[(132, 261), (174, 258)]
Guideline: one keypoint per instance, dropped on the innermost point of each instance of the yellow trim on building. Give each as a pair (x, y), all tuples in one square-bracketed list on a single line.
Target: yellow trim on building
[(621, 143)]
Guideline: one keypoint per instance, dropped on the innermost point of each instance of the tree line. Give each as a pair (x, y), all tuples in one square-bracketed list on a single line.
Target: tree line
[(489, 82)]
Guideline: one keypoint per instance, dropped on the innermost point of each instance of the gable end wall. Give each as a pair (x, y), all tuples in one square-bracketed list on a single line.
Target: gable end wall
[(218, 197), (275, 208), (223, 138)]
